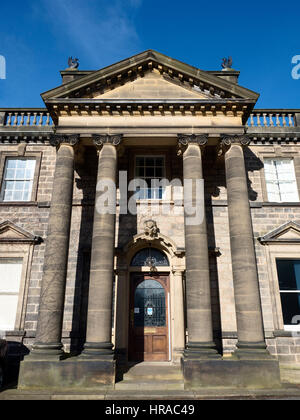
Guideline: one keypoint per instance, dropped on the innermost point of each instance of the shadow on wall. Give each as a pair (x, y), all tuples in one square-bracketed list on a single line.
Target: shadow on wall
[(86, 169), (215, 176)]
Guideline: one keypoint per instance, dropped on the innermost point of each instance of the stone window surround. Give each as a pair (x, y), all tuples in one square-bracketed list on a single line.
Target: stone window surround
[(24, 252), (11, 154), (275, 251), (280, 154)]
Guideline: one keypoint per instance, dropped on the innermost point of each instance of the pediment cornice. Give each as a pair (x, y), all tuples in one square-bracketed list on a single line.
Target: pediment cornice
[(287, 233), (128, 70), (11, 233)]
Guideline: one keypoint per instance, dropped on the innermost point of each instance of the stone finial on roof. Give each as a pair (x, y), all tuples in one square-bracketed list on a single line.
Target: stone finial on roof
[(73, 63), (227, 63)]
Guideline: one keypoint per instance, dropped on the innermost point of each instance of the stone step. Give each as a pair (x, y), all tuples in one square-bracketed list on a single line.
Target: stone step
[(153, 372), (150, 385)]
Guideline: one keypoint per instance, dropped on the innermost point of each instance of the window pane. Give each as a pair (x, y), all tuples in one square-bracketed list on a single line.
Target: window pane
[(150, 168), (159, 172), (150, 305), (149, 172), (140, 172), (11, 163), (160, 161), (10, 174), (288, 274), (21, 163), (10, 185), (290, 307), (8, 196), (20, 173), (17, 196), (20, 170), (10, 275), (281, 180), (140, 259), (150, 161), (140, 161), (8, 312)]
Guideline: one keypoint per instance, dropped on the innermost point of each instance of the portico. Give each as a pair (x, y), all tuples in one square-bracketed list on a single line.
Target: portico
[(150, 107)]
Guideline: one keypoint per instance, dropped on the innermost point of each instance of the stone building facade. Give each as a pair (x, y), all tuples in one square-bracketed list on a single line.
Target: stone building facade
[(80, 283)]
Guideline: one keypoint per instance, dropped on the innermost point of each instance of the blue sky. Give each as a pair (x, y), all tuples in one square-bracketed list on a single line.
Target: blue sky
[(38, 36)]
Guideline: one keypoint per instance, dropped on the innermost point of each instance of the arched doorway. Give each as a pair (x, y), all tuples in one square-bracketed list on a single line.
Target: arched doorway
[(149, 312)]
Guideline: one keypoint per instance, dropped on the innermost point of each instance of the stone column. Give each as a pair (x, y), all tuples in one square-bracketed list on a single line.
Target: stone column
[(244, 265), (122, 307), (99, 324), (198, 293), (178, 330), (49, 330)]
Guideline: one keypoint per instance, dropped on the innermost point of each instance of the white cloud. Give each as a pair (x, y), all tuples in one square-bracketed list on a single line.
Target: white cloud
[(101, 30)]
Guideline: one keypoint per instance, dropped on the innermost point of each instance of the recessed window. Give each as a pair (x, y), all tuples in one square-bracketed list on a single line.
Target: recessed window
[(10, 279), (289, 285), (18, 179), (281, 180), (150, 168)]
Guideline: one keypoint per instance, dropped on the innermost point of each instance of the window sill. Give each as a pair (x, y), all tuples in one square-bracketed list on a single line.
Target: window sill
[(18, 203), (154, 201), (281, 204), (287, 333)]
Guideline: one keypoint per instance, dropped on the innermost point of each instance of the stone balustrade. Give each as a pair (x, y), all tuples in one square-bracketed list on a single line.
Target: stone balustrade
[(274, 118), (262, 123), (35, 117)]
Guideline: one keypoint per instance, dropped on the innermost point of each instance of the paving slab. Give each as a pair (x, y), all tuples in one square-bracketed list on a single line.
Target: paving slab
[(287, 392)]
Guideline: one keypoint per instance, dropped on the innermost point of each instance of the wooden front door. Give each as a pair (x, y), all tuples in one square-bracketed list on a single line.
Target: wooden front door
[(148, 323)]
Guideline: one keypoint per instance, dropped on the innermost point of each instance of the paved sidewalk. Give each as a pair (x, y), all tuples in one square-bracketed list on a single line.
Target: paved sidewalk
[(291, 392)]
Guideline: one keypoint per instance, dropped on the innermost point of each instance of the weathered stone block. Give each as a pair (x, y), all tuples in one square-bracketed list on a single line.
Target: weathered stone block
[(231, 374), (67, 374)]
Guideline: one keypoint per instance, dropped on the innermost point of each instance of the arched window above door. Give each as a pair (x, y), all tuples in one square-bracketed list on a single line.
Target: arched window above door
[(141, 258)]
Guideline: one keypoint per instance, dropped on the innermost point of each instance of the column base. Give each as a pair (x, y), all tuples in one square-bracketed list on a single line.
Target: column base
[(98, 351), (46, 352), (231, 373), (252, 351), (199, 351), (74, 373)]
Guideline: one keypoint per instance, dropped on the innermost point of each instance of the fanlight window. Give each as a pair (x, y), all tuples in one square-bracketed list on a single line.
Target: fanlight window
[(157, 258)]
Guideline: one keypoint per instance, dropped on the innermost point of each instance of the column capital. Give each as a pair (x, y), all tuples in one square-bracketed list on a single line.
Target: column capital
[(178, 271), (187, 139), (229, 140), (100, 140), (58, 139)]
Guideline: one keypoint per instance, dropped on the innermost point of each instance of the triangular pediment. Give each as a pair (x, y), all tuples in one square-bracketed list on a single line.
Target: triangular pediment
[(9, 232), (175, 80), (289, 232), (152, 85)]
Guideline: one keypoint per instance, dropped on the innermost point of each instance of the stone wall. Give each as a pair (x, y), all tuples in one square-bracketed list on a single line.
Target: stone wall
[(34, 217)]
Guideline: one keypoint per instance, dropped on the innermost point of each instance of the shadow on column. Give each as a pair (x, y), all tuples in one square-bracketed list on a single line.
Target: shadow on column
[(86, 168)]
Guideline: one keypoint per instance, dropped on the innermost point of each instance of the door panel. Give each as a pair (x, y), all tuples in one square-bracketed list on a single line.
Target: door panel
[(148, 324)]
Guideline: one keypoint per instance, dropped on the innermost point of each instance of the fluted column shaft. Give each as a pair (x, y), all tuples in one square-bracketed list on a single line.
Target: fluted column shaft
[(244, 265), (99, 323), (50, 319), (198, 293)]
